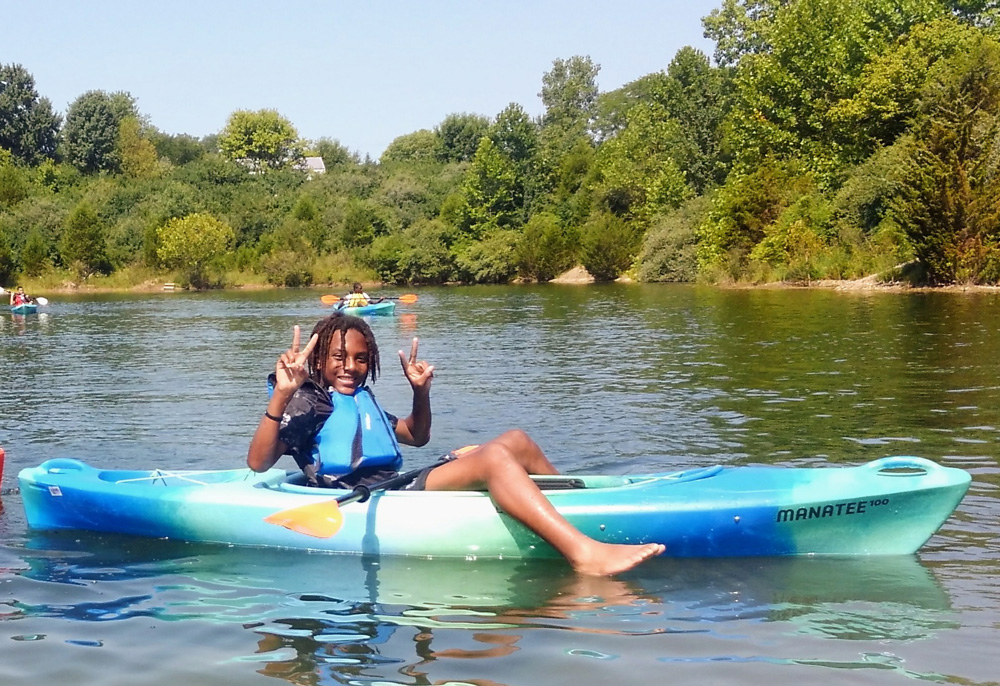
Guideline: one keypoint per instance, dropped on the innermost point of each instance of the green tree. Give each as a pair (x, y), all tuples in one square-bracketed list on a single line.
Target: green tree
[(419, 146), (546, 248), (91, 133), (28, 126), (569, 94), (83, 244), (334, 153), (695, 95), (458, 136), (516, 137), (35, 255), (262, 140), (692, 93), (8, 260), (744, 208), (888, 91), (608, 246), (639, 177), (819, 49), (611, 111), (192, 243), (307, 222), (571, 196), (950, 203), (740, 28), (490, 260), (669, 250), (359, 224), (136, 152), (427, 258), (490, 189), (179, 149), (386, 258), (289, 251), (14, 186), (8, 263)]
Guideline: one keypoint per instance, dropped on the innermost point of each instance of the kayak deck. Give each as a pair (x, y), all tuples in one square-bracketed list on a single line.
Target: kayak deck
[(385, 307), (889, 506)]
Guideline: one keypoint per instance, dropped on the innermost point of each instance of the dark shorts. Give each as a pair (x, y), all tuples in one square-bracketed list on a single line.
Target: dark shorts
[(374, 475), (420, 483)]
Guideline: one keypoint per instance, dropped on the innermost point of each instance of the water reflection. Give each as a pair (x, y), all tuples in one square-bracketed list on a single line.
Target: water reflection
[(312, 618), (609, 378)]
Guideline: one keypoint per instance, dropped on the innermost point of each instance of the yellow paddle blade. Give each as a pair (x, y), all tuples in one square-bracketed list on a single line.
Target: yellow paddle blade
[(320, 520), (408, 298), (330, 299)]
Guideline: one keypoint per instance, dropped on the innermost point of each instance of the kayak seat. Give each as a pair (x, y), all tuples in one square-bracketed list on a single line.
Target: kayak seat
[(558, 483)]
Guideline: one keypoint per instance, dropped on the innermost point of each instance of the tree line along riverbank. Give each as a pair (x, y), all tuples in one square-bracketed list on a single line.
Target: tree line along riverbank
[(822, 141)]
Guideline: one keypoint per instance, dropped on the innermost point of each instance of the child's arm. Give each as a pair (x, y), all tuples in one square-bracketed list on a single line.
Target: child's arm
[(416, 429), (290, 373)]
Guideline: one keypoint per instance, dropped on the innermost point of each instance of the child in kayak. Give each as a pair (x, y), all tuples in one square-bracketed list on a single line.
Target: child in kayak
[(313, 415), (19, 297), (357, 298)]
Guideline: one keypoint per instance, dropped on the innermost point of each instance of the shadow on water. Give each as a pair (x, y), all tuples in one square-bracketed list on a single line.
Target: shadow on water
[(341, 619)]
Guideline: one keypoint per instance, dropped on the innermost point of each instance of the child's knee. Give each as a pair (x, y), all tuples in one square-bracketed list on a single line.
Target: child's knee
[(496, 455), (516, 440)]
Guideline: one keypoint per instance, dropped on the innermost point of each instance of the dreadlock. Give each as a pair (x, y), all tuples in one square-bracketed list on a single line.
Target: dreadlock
[(325, 329)]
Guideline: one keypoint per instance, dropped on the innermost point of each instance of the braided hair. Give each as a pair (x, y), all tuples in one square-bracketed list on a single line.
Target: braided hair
[(329, 325)]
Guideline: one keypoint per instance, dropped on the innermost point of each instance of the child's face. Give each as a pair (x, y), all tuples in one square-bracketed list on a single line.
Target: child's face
[(346, 370)]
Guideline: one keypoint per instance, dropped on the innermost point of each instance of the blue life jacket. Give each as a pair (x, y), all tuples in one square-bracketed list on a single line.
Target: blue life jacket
[(357, 434)]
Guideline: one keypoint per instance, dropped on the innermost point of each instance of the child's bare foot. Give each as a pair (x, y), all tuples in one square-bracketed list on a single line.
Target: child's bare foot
[(605, 559)]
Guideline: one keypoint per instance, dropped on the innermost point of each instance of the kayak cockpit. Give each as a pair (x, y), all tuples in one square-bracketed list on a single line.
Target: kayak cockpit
[(296, 481)]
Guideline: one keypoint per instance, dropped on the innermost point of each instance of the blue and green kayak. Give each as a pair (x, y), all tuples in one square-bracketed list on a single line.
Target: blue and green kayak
[(891, 506), (26, 308), (384, 307)]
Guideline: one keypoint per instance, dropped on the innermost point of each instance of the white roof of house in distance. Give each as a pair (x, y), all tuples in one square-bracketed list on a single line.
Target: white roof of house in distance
[(314, 164)]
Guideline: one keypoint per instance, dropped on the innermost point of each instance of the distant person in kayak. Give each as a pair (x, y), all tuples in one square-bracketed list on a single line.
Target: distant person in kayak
[(357, 298), (19, 297), (319, 395)]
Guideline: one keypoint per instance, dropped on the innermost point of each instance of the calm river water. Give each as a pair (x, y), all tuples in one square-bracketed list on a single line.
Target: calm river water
[(610, 379)]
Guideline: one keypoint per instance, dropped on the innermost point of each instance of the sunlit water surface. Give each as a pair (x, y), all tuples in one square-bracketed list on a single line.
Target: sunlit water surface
[(611, 379)]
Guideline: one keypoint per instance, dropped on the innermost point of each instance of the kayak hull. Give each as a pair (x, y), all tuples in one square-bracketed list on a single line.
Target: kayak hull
[(384, 307), (872, 509), (27, 308)]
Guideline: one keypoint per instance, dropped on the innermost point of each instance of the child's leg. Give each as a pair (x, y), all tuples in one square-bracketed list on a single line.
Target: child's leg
[(525, 452), (505, 474)]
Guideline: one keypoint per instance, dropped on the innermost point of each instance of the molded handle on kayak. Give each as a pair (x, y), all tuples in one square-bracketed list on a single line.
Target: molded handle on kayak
[(903, 462), (64, 464)]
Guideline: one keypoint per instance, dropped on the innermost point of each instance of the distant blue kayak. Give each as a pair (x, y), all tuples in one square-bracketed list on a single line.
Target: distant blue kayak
[(26, 308), (384, 307)]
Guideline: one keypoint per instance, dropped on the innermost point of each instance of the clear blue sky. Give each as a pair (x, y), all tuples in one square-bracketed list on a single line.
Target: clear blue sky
[(359, 72)]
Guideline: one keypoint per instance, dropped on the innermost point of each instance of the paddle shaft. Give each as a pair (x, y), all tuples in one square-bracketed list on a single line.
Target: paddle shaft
[(361, 493), (334, 299), (404, 298)]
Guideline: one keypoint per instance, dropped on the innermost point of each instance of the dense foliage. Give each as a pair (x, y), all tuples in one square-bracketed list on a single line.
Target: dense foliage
[(830, 139)]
